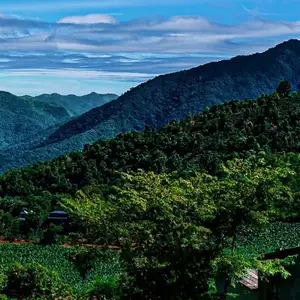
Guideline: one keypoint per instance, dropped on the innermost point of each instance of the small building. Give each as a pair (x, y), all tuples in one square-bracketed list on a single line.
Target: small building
[(279, 241), (56, 217), (276, 288)]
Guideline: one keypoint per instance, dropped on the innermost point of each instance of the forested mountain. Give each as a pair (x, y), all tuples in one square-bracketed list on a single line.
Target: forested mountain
[(202, 142), (26, 121), (174, 96), (76, 105), (20, 118), (227, 171), (163, 99)]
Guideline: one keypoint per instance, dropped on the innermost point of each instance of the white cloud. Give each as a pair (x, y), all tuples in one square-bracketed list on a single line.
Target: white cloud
[(77, 73), (99, 47), (89, 19)]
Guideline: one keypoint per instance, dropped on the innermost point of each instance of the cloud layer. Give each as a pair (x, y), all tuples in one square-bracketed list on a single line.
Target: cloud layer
[(100, 47)]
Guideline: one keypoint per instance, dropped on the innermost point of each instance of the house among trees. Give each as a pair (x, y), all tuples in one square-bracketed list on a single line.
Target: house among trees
[(56, 217), (286, 236)]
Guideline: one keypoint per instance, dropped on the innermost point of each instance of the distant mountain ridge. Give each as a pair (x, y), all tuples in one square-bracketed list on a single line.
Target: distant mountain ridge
[(26, 121), (20, 118), (76, 105), (169, 97)]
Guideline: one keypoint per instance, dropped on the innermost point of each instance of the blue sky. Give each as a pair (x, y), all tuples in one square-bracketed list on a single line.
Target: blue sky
[(111, 45)]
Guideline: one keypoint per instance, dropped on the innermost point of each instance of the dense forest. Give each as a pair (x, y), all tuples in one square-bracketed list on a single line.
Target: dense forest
[(164, 99), (200, 142), (26, 121), (21, 118), (179, 202)]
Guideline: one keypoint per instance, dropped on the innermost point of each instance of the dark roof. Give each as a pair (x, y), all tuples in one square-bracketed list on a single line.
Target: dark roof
[(58, 212)]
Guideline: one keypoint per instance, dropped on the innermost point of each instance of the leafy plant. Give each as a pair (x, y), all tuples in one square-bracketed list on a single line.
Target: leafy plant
[(178, 235), (33, 281)]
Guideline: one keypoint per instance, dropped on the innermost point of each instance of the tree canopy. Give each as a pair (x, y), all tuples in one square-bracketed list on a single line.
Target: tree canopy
[(178, 236)]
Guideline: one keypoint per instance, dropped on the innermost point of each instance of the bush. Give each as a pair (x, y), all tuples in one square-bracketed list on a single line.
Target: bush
[(34, 281), (83, 259), (106, 288)]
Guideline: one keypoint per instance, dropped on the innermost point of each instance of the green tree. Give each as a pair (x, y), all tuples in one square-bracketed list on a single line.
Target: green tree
[(178, 236), (284, 88)]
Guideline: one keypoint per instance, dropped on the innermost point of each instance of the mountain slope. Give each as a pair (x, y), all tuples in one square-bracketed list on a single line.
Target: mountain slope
[(174, 96), (76, 105), (20, 118), (165, 98), (237, 129)]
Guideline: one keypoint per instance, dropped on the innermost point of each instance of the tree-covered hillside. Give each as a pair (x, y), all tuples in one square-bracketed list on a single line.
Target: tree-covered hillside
[(202, 142), (166, 98), (174, 96), (27, 121), (21, 118), (228, 171)]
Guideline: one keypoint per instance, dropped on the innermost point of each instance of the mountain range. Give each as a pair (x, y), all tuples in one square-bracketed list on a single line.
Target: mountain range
[(163, 99), (265, 128), (75, 105), (26, 120)]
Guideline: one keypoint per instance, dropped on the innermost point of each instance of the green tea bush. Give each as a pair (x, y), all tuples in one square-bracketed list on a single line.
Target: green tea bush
[(34, 281)]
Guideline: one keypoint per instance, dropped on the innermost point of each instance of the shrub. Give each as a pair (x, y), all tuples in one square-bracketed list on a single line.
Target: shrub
[(106, 288), (34, 281)]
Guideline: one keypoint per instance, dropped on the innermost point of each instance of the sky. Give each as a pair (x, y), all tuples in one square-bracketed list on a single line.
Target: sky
[(109, 46)]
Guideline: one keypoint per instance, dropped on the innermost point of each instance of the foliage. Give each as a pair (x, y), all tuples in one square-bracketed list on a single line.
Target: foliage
[(284, 88), (106, 288), (105, 265), (9, 225), (178, 235), (278, 235), (83, 259), (203, 142), (34, 281), (199, 142)]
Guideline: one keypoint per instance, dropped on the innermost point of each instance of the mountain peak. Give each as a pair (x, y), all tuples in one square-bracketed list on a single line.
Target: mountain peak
[(92, 94), (173, 96), (292, 44)]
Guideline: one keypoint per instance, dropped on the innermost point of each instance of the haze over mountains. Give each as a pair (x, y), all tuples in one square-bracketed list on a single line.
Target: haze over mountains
[(76, 105), (161, 100)]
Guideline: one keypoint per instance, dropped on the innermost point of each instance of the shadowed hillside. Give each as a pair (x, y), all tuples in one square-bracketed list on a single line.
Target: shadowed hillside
[(166, 98), (203, 142), (20, 118), (174, 96)]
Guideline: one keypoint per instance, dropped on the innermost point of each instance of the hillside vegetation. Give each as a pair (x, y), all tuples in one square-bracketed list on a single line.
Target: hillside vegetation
[(21, 118), (201, 142), (167, 98), (27, 121), (175, 200)]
